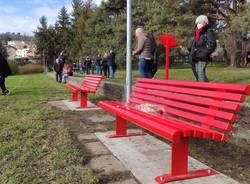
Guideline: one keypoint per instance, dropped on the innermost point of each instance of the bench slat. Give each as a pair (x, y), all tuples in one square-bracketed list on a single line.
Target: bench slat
[(197, 92), (90, 85), (92, 81), (159, 129), (188, 107), (238, 88), (198, 131), (191, 116), (190, 99)]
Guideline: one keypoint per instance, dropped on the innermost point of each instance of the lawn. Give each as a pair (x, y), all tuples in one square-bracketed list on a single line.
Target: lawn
[(35, 147), (215, 73)]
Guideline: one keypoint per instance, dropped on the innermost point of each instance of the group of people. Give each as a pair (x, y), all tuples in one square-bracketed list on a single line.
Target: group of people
[(200, 46), (99, 65), (62, 70)]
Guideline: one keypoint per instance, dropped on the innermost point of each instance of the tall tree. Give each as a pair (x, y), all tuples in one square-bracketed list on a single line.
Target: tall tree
[(45, 41), (64, 33)]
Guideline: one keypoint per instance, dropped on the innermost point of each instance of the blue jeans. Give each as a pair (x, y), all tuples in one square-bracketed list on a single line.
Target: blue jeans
[(200, 68), (65, 77), (144, 68), (112, 71), (98, 70)]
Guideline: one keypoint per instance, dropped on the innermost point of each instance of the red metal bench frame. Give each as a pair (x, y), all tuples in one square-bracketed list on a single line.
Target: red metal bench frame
[(198, 110), (90, 84)]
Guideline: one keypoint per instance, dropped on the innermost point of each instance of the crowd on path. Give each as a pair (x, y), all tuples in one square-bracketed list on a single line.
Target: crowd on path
[(200, 46), (96, 66)]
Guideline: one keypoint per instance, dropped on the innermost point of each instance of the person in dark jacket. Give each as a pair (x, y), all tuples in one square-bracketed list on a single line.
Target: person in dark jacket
[(105, 68), (4, 73), (88, 64), (201, 45), (111, 64), (58, 68), (143, 50), (98, 61)]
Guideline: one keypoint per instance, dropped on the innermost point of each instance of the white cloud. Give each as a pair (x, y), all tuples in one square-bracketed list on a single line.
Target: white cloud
[(17, 24)]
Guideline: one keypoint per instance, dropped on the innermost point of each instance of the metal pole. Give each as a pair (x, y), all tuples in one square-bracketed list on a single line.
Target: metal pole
[(167, 62), (129, 50)]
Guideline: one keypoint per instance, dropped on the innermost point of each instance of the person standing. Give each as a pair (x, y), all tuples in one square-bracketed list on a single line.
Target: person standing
[(88, 65), (58, 68), (4, 73), (111, 64), (201, 45), (144, 52), (105, 68), (98, 61), (153, 64)]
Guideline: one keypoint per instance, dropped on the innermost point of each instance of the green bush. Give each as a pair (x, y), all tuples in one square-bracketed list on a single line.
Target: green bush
[(30, 69), (13, 66)]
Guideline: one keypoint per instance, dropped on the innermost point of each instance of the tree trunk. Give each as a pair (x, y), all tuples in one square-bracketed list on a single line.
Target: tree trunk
[(233, 53)]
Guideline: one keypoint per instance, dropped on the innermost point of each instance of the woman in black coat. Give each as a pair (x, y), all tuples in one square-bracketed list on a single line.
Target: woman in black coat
[(4, 73), (201, 45)]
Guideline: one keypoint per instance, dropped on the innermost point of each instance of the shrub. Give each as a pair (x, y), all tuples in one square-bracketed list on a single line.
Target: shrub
[(30, 68), (13, 67)]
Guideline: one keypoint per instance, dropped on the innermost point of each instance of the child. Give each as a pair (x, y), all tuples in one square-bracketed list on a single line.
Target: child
[(66, 71)]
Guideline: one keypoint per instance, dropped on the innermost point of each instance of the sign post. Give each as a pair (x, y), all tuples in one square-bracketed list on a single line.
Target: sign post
[(168, 41)]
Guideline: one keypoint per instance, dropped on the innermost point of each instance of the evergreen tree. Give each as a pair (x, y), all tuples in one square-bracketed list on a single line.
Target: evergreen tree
[(45, 41), (64, 33)]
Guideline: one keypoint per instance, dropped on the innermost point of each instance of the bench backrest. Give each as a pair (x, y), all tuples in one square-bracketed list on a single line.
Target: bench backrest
[(92, 82), (212, 106)]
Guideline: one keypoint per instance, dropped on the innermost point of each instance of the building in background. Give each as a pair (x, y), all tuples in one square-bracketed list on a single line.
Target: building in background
[(11, 52)]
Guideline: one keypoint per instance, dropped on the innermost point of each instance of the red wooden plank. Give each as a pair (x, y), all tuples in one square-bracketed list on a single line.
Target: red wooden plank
[(90, 84), (91, 81), (194, 117), (197, 92), (166, 132), (71, 88), (154, 117), (95, 76), (189, 107), (206, 134), (190, 99), (239, 88)]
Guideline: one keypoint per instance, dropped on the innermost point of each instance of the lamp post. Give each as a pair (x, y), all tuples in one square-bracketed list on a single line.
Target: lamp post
[(129, 50)]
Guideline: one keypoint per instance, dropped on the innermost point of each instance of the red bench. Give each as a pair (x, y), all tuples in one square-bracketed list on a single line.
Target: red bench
[(183, 110), (90, 84)]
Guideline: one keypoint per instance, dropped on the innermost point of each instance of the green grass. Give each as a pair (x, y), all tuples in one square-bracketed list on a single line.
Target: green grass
[(215, 73), (35, 147)]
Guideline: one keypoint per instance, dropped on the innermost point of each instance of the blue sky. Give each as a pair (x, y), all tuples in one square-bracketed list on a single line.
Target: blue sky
[(23, 15)]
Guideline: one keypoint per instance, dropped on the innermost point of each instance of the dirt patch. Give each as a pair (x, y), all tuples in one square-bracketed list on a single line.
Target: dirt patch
[(82, 126)]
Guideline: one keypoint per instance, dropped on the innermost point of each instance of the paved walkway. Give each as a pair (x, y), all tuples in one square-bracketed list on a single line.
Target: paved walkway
[(146, 157)]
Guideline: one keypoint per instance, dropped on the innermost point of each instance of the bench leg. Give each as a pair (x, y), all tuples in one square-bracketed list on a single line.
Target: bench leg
[(74, 97), (179, 165), (84, 100), (121, 129)]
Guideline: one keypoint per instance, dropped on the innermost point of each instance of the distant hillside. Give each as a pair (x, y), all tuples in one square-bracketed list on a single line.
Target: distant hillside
[(4, 37)]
